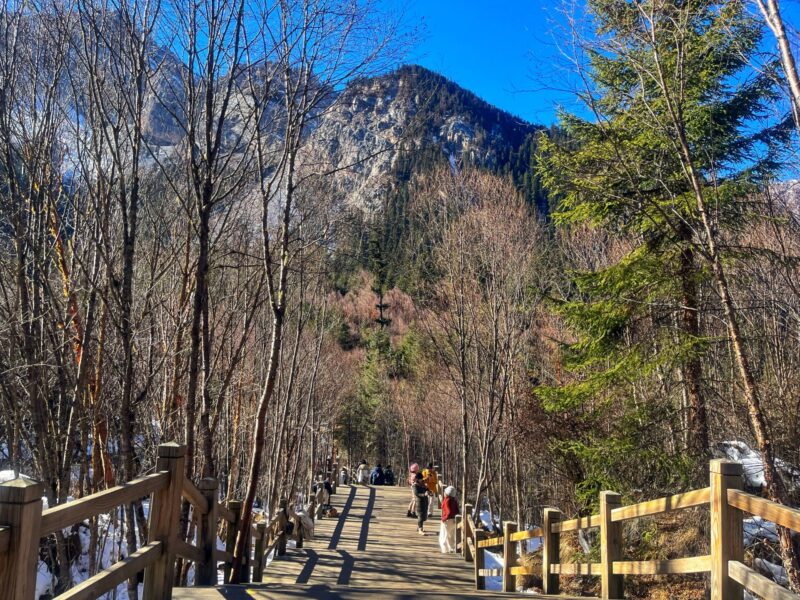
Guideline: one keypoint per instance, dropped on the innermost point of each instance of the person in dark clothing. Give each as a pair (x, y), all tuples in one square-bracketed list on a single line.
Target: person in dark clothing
[(376, 477), (421, 502), (388, 476)]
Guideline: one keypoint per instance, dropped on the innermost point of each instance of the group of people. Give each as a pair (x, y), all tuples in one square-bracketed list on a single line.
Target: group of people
[(424, 487), (378, 475)]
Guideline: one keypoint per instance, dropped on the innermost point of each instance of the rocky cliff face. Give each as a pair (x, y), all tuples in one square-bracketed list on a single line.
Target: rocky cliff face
[(375, 121), (367, 127)]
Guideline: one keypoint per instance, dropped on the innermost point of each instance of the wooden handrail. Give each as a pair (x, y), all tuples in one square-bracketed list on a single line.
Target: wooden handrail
[(755, 582), (662, 505), (529, 534), (576, 524), (491, 542), (115, 574), (676, 566), (24, 523), (194, 496), (66, 515), (225, 513), (576, 569), (766, 509), (726, 501), (188, 551)]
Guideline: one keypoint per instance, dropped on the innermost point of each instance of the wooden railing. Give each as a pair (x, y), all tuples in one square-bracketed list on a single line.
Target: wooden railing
[(23, 523), (729, 576)]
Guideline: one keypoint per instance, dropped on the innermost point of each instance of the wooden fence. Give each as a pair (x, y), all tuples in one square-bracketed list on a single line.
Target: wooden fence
[(23, 523), (729, 576)]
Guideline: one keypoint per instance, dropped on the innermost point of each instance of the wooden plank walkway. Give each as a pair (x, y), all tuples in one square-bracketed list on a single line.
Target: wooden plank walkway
[(371, 549)]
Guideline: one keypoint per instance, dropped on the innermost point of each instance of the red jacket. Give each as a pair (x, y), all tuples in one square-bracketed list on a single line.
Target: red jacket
[(449, 508)]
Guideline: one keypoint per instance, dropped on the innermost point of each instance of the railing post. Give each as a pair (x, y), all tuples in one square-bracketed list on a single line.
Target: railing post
[(248, 560), (21, 510), (459, 533), (207, 533), (230, 539), (509, 557), (611, 586), (465, 523), (551, 551), (727, 537), (258, 553), (480, 559), (298, 530), (165, 511)]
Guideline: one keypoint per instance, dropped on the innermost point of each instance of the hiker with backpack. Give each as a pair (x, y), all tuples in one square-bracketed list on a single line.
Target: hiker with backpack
[(413, 471), (431, 479), (376, 477), (388, 476), (421, 502)]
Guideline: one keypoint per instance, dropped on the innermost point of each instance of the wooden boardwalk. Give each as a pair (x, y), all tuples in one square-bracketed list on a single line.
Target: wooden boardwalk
[(371, 550)]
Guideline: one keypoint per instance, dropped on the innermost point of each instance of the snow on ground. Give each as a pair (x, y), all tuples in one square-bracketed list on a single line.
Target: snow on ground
[(493, 561), (753, 467), (533, 544), (486, 519), (776, 572), (757, 529)]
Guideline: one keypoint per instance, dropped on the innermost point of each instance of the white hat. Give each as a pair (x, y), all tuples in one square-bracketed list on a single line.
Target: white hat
[(450, 491)]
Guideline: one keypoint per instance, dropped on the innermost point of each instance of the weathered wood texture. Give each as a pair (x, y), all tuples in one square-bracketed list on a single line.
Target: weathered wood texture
[(726, 530)]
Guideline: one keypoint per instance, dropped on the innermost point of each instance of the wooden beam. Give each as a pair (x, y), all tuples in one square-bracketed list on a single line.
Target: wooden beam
[(529, 534), (490, 572), (576, 524), (491, 542), (223, 512), (189, 552), (525, 571), (766, 509), (65, 515), (206, 570), (5, 539), (727, 538), (165, 510), (194, 496), (479, 558), (662, 505), (115, 574), (576, 569), (551, 551), (509, 557), (21, 513), (611, 585), (757, 583), (694, 564)]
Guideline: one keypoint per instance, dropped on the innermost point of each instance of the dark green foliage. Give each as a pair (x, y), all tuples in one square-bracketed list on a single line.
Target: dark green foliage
[(683, 73)]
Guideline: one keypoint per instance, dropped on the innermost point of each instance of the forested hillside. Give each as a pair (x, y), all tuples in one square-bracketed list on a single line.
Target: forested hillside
[(245, 227)]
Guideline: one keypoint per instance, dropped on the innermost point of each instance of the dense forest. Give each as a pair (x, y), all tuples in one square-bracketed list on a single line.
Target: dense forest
[(545, 312)]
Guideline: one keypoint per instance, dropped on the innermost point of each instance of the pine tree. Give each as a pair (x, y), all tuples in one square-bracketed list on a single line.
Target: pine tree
[(659, 72)]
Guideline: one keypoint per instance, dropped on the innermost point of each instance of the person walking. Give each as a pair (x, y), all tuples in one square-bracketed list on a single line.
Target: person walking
[(447, 530), (421, 502), (362, 473), (431, 478), (413, 471)]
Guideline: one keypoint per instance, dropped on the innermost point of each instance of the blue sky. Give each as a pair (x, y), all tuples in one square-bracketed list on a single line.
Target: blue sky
[(503, 50), (495, 49)]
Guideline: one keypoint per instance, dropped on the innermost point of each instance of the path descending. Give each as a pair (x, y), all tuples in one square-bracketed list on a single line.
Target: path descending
[(371, 550)]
